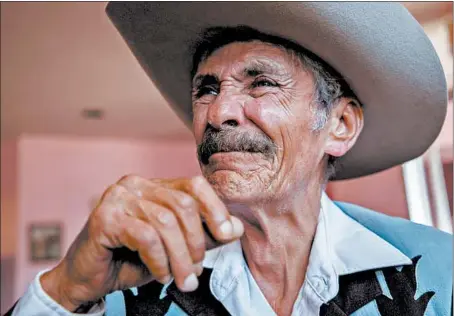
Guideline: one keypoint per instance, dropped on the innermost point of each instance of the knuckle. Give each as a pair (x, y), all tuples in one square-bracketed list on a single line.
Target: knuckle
[(189, 213), (130, 181), (158, 181), (184, 201), (182, 253), (167, 219), (101, 222), (150, 239), (197, 182), (112, 192)]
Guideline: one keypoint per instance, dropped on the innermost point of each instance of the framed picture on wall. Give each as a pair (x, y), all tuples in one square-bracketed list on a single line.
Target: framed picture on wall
[(45, 242)]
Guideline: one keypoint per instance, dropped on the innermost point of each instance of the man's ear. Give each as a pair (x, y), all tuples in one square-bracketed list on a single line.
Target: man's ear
[(345, 124)]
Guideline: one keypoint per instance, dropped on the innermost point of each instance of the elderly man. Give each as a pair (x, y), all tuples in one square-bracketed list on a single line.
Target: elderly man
[(284, 96)]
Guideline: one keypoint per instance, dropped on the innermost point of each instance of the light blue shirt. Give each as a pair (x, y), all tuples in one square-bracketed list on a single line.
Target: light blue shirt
[(341, 246)]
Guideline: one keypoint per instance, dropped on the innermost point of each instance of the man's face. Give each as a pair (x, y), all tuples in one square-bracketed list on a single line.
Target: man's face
[(252, 105)]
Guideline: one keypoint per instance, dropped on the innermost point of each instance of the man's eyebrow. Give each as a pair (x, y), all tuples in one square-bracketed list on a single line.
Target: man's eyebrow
[(257, 68), (204, 80), (252, 69)]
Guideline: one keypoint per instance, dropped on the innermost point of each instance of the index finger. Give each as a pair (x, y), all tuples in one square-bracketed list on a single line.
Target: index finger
[(222, 225)]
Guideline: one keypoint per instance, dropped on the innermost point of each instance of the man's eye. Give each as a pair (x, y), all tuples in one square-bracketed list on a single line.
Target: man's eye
[(263, 83), (207, 90)]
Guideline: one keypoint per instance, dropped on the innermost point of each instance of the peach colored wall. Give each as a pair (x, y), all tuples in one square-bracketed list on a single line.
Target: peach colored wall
[(8, 222), (59, 177), (8, 197), (383, 192)]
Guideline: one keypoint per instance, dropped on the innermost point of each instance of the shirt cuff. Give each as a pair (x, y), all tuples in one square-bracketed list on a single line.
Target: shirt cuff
[(36, 302)]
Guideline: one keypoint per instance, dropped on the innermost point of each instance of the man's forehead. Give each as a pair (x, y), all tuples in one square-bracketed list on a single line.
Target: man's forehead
[(247, 58)]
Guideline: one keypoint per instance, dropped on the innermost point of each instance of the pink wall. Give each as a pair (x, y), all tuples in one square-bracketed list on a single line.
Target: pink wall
[(384, 192), (8, 197), (8, 222), (59, 177)]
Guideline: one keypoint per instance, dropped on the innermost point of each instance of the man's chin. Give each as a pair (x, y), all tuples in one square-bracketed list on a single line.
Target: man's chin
[(232, 186)]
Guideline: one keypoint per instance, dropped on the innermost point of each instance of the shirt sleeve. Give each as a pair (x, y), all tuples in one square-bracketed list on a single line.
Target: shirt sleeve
[(36, 302)]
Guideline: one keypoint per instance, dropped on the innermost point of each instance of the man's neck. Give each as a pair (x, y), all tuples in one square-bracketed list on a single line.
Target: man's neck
[(277, 243)]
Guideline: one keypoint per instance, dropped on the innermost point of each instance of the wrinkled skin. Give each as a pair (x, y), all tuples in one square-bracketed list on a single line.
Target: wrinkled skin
[(256, 88), (271, 201), (275, 103)]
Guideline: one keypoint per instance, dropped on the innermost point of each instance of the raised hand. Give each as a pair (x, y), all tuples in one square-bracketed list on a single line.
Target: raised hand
[(142, 230)]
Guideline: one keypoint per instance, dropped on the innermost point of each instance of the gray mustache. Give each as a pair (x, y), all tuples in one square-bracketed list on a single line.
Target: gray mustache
[(230, 139)]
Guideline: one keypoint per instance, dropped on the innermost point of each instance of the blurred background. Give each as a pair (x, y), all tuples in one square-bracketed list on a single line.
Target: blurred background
[(78, 112)]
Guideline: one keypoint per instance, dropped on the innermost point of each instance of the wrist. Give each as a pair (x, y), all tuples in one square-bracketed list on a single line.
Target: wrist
[(54, 283)]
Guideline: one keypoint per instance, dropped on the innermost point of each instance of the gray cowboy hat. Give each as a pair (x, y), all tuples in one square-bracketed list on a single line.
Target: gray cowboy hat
[(379, 48)]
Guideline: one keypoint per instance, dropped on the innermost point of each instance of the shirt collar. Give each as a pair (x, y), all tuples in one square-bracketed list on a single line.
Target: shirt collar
[(353, 247), (341, 246)]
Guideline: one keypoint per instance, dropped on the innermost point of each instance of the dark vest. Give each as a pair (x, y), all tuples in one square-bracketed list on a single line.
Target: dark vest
[(355, 291)]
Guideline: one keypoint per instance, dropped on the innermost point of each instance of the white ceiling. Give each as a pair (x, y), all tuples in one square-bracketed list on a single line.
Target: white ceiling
[(58, 58)]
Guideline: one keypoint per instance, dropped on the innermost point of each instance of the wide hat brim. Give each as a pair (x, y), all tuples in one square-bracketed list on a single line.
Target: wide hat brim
[(379, 48)]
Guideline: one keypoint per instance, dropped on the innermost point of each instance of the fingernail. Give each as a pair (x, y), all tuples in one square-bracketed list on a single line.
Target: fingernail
[(190, 283), (198, 268), (226, 229), (238, 228)]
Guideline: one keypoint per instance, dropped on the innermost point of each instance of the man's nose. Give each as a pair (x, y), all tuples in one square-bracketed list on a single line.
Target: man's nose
[(227, 109)]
